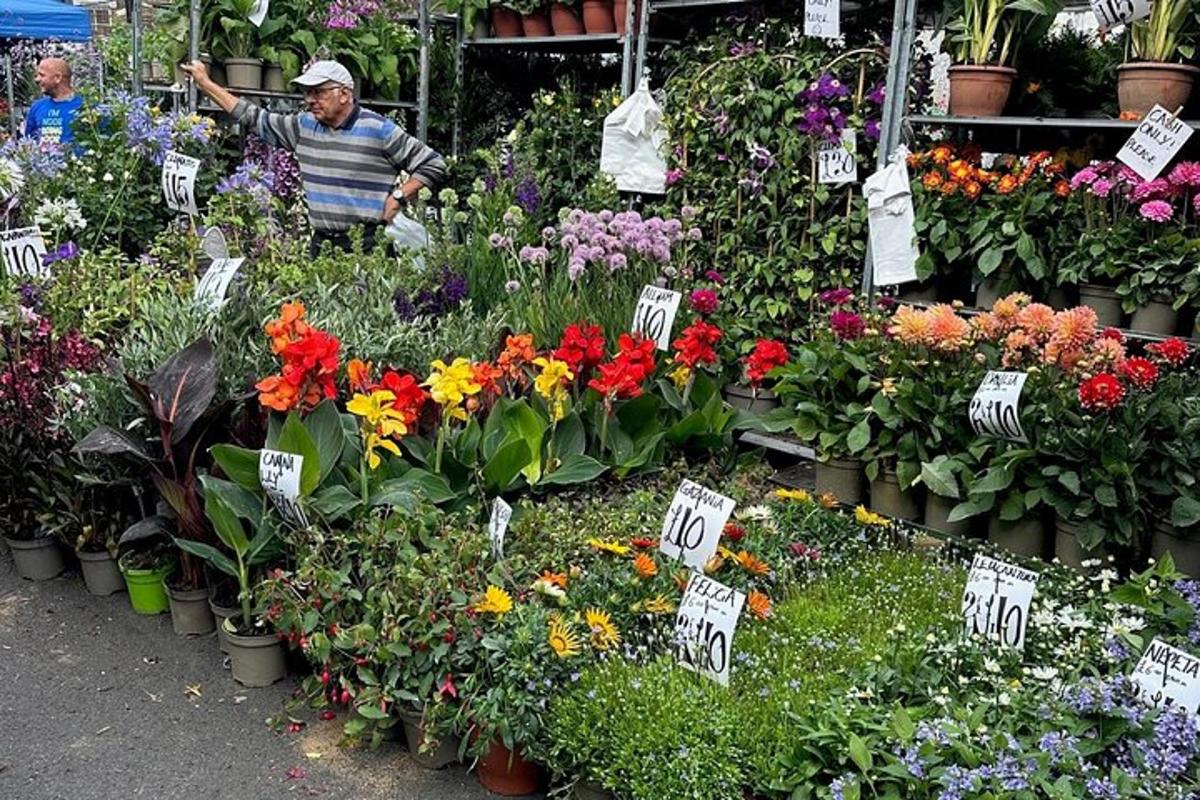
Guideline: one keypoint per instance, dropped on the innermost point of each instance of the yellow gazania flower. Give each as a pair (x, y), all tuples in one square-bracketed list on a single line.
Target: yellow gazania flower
[(554, 374), (495, 601), (371, 441), (866, 517), (450, 385), (681, 375), (793, 494), (616, 548), (376, 409), (659, 605), (604, 634), (563, 641)]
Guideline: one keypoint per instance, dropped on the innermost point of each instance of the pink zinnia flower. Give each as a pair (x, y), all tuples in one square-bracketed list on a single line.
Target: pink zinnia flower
[(1150, 190), (1101, 188), (1185, 174), (704, 301), (1157, 211), (1084, 177), (847, 325)]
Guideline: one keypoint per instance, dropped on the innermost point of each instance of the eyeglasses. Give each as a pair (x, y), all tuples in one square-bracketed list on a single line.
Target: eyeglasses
[(317, 91)]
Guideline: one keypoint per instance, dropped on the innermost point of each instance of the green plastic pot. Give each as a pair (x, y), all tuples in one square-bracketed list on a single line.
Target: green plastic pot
[(147, 594)]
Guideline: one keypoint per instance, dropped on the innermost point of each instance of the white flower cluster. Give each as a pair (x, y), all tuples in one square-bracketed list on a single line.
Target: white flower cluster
[(59, 214)]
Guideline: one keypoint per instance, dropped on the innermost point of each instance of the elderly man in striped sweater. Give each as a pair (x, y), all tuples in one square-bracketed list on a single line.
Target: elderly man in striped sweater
[(350, 158)]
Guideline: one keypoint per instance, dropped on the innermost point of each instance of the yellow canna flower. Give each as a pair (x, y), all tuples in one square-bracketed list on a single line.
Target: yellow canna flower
[(495, 601), (554, 374), (371, 441), (450, 385), (376, 409), (681, 375)]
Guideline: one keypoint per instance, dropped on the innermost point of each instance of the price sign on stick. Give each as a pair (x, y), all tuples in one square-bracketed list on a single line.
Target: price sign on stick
[(822, 18), (279, 474), (695, 520), (213, 244), (1111, 13), (655, 315), (21, 250), (179, 182), (212, 287), (1167, 676), (1157, 139), (498, 526), (996, 407), (995, 603), (258, 12), (835, 160), (704, 626)]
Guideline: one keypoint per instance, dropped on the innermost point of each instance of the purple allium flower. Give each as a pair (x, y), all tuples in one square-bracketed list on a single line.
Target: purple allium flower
[(497, 241), (512, 287)]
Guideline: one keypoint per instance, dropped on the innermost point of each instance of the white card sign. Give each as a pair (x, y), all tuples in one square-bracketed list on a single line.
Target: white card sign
[(258, 12), (995, 603), (1167, 676), (211, 288), (695, 520), (892, 235), (179, 182), (498, 526), (279, 474), (213, 244), (1111, 13), (655, 315), (995, 409), (22, 250), (704, 626), (822, 18), (1157, 139), (836, 162)]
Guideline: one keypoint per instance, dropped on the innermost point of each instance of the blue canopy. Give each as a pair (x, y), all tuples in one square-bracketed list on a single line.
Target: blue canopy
[(44, 19)]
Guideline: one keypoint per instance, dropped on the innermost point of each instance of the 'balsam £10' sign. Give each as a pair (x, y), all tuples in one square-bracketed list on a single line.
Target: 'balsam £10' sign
[(694, 522), (21, 250), (655, 315), (996, 407), (704, 626), (179, 182), (995, 603), (1167, 676)]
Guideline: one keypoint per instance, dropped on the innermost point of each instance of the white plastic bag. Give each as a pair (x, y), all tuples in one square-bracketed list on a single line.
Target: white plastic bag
[(890, 219), (408, 234), (634, 140)]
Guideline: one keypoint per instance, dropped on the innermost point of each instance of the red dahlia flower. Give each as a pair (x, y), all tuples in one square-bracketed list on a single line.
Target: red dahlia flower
[(1101, 393), (1174, 351), (1141, 372), (766, 356)]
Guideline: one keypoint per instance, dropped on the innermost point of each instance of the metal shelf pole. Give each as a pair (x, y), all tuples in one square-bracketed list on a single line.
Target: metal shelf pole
[(135, 33), (423, 71), (193, 98)]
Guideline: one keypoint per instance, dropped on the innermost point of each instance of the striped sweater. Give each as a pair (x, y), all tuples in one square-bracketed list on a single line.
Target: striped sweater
[(347, 172)]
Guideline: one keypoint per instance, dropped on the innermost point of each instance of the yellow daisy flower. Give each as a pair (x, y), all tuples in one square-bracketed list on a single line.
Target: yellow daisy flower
[(866, 517), (495, 601)]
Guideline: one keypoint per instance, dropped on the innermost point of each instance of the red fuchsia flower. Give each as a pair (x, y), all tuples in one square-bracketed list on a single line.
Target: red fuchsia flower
[(1141, 372), (327, 715), (836, 297), (1157, 211), (695, 346), (582, 347), (766, 356), (448, 689), (704, 301), (1101, 393), (1174, 351), (733, 532), (847, 325)]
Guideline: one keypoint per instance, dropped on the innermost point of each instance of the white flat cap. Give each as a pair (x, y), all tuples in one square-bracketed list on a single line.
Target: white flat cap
[(325, 72)]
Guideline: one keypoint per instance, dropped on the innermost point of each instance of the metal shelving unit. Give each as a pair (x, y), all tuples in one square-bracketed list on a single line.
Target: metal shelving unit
[(659, 8)]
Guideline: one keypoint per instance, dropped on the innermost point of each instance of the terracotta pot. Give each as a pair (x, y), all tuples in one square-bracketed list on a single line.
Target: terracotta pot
[(1105, 302), (1142, 84), (507, 773), (937, 510), (445, 753), (747, 399), (979, 91), (536, 24), (620, 10), (889, 499), (244, 73), (843, 477), (506, 23), (1155, 317), (564, 20), (1025, 537), (1184, 549), (598, 16), (1067, 548)]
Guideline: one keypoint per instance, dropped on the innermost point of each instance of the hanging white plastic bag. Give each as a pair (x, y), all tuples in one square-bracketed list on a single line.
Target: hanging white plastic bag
[(634, 140), (890, 219), (408, 234)]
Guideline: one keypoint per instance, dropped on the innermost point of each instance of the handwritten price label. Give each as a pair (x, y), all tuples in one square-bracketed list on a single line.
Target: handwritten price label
[(1111, 13), (996, 407), (179, 182), (1167, 676), (836, 162), (279, 475), (498, 526), (695, 520), (212, 288), (996, 600), (655, 315), (704, 625), (22, 250)]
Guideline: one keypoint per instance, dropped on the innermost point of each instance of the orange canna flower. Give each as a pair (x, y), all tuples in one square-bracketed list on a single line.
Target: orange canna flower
[(759, 604), (276, 393), (644, 566), (486, 374), (358, 374), (288, 327), (518, 351)]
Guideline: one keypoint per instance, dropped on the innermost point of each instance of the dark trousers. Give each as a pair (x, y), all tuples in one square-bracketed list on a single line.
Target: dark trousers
[(341, 239)]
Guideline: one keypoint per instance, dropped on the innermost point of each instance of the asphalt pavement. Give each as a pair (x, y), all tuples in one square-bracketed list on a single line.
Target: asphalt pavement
[(98, 703)]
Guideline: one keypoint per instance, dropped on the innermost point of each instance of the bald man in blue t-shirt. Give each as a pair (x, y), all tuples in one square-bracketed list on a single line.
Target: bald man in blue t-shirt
[(51, 118)]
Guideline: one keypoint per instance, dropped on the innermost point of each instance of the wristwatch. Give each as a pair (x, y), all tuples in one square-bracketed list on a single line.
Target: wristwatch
[(398, 196)]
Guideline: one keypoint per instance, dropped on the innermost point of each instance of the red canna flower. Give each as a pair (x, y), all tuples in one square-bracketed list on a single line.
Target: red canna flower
[(636, 352), (695, 346), (1101, 393), (617, 381), (410, 397), (766, 356), (582, 347)]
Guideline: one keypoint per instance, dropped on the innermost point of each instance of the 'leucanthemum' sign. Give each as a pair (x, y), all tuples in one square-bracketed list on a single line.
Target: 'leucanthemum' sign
[(996, 600)]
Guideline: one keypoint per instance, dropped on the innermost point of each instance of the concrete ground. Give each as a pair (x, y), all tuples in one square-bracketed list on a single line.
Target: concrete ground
[(98, 703)]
